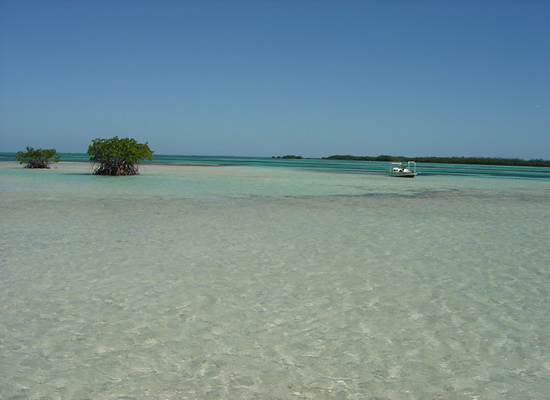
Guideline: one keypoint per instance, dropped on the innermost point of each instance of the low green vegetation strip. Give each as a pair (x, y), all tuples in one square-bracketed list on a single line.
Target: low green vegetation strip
[(448, 160)]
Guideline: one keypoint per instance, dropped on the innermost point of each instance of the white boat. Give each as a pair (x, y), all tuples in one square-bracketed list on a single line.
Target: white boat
[(402, 170)]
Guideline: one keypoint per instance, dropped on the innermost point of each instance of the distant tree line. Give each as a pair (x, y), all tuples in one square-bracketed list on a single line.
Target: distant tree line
[(448, 160)]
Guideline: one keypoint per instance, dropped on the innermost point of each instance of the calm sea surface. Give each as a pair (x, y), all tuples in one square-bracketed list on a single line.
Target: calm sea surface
[(322, 280)]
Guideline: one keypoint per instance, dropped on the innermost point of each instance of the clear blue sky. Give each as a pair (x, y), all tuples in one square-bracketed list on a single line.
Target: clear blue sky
[(264, 78)]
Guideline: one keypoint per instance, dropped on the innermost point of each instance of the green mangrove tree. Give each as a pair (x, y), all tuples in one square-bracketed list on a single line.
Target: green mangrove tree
[(37, 158), (116, 156)]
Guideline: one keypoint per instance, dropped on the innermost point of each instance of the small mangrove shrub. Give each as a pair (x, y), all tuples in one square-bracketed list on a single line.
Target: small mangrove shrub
[(37, 158), (116, 156)]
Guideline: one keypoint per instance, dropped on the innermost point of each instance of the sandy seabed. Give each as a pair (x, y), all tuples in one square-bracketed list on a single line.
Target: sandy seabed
[(244, 283)]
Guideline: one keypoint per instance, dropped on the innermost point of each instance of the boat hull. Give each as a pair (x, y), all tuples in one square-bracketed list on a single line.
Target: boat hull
[(404, 174)]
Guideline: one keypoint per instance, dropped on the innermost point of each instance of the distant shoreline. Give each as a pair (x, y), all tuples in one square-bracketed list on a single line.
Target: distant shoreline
[(448, 160)]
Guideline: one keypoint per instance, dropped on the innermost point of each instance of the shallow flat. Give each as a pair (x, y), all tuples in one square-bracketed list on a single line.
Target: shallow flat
[(248, 282)]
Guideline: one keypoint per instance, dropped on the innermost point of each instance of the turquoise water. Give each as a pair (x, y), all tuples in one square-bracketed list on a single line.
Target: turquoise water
[(245, 282), (335, 165)]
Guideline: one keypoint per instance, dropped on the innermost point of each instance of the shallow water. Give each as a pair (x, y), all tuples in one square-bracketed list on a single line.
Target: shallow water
[(247, 282)]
